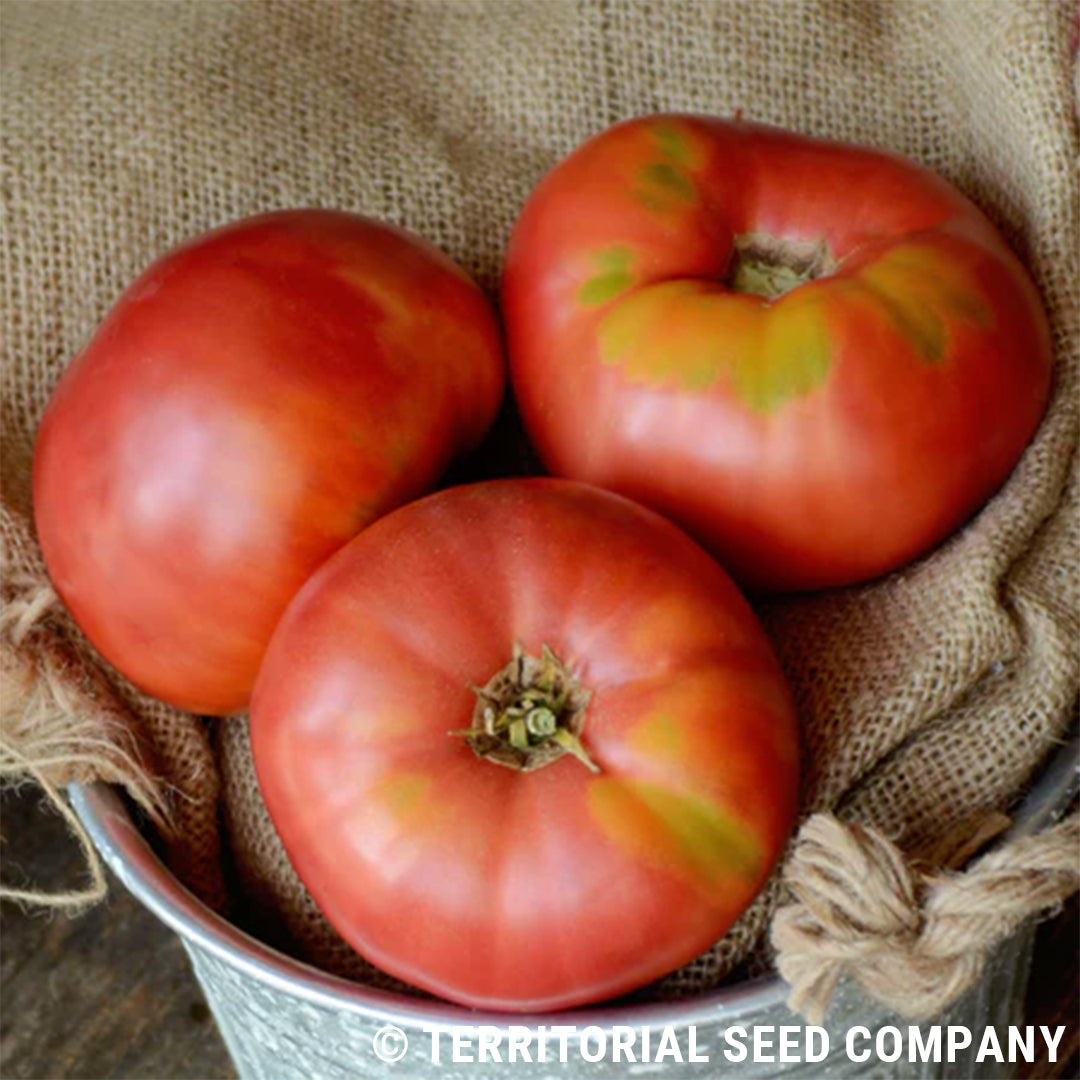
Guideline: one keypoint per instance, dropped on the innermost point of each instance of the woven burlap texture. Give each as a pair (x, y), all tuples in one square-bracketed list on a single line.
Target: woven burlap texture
[(928, 698)]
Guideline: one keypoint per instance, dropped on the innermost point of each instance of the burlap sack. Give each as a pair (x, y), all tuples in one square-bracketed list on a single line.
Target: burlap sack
[(928, 699)]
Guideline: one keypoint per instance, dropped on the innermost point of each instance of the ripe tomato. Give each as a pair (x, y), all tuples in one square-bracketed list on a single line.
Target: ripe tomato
[(820, 359), (253, 400), (526, 744)]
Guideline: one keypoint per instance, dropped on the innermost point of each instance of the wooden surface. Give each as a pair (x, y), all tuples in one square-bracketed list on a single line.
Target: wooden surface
[(106, 994), (109, 994)]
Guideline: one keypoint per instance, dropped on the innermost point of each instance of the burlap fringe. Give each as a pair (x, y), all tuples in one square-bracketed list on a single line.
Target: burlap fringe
[(913, 941), (59, 724)]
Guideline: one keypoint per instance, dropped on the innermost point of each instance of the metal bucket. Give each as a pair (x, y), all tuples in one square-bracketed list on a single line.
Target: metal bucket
[(283, 1020)]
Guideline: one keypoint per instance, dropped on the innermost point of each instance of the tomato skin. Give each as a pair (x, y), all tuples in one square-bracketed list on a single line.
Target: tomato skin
[(250, 402), (525, 890), (822, 439)]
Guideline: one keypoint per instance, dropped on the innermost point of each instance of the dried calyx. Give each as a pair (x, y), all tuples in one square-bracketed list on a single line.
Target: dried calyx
[(529, 713), (770, 266)]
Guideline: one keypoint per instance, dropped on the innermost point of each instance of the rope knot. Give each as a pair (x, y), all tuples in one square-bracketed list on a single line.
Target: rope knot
[(914, 942)]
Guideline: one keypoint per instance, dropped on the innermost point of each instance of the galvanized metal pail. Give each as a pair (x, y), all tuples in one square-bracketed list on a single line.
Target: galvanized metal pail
[(283, 1020)]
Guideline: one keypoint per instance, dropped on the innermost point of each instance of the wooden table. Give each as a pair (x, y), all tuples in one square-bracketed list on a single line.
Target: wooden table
[(109, 993)]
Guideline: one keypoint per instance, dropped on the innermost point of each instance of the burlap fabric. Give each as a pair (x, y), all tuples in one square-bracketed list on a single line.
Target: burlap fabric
[(928, 699)]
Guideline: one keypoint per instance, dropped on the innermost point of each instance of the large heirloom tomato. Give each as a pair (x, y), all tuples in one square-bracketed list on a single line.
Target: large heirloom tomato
[(526, 744), (819, 359), (252, 401)]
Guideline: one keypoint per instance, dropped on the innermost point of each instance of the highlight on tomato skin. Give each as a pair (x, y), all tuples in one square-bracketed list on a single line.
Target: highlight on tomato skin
[(255, 398), (526, 745), (820, 359)]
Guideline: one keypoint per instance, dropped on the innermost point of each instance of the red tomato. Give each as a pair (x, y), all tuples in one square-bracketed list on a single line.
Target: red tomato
[(252, 401), (596, 814), (820, 359)]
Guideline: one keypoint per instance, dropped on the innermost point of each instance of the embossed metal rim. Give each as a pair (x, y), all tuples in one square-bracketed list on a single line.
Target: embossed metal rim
[(131, 859), (129, 856)]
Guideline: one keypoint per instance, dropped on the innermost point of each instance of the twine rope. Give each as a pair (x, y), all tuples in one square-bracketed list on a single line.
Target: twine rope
[(913, 941), (55, 728), (17, 766)]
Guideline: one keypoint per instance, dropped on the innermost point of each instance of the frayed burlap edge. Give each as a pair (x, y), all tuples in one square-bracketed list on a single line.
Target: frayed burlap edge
[(58, 725)]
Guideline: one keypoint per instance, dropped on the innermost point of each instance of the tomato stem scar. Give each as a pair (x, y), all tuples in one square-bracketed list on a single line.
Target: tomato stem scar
[(769, 266), (529, 713), (541, 721)]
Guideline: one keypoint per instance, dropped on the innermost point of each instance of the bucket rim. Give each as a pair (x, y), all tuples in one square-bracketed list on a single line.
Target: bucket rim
[(130, 857), (139, 869)]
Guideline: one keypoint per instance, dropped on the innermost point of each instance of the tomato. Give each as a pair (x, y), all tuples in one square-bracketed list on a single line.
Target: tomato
[(526, 744), (253, 400), (819, 359)]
